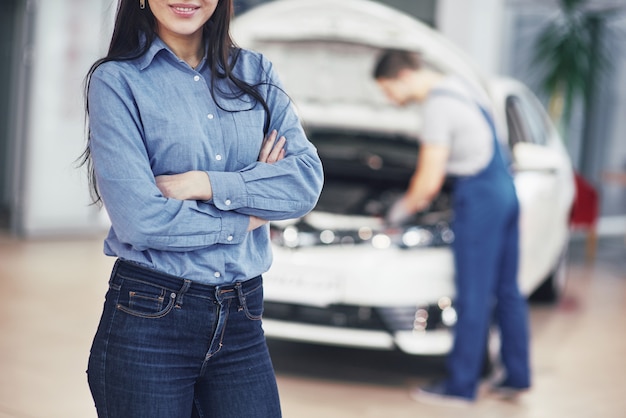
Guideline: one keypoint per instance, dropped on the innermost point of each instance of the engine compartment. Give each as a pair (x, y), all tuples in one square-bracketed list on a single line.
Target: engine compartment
[(365, 173)]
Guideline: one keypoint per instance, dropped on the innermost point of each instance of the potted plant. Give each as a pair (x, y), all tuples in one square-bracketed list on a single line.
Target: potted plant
[(569, 58)]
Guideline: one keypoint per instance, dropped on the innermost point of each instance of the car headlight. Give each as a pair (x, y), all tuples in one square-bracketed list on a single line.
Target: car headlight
[(302, 234), (416, 236), (420, 318), (381, 241), (449, 317), (291, 237)]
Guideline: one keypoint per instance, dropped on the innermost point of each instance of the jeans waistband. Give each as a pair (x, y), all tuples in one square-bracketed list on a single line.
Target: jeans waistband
[(133, 271)]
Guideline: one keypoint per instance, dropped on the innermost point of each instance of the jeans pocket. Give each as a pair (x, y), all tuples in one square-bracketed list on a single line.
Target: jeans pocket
[(252, 304), (145, 300)]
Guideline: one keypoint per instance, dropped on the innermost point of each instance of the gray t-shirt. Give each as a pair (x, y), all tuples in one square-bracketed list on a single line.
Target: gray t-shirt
[(456, 121)]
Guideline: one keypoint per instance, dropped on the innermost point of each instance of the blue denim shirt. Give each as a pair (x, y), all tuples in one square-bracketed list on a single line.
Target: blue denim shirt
[(155, 115)]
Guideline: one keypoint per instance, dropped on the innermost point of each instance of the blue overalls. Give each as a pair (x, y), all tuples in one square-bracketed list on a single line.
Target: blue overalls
[(486, 250)]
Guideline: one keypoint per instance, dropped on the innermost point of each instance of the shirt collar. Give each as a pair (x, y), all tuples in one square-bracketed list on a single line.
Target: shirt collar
[(157, 46), (146, 59)]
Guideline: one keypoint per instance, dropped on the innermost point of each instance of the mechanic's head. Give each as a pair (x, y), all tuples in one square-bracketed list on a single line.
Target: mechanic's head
[(402, 76)]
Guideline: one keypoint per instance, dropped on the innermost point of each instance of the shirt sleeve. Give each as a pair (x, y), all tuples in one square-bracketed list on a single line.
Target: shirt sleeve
[(140, 215), (287, 189), (437, 120)]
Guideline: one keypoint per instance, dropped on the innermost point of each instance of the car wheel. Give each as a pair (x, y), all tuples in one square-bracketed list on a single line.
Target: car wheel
[(553, 287)]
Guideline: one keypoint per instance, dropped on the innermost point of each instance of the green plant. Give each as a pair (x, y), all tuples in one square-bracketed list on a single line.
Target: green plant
[(568, 55)]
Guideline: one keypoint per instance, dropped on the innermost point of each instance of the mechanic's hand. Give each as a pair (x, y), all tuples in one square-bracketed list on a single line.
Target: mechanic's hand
[(271, 150), (399, 212)]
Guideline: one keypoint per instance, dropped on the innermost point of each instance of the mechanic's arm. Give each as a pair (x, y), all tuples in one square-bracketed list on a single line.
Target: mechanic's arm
[(425, 183), (429, 176)]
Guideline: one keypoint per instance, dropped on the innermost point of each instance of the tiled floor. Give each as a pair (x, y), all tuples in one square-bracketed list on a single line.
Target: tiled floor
[(52, 293)]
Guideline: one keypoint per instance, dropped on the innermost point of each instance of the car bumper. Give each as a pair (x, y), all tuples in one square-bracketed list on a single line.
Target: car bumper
[(432, 342), (360, 276)]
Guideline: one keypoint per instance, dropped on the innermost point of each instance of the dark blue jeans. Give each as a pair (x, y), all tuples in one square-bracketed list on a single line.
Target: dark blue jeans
[(168, 347)]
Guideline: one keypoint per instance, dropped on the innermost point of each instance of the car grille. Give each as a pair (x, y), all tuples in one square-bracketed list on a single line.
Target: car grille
[(341, 316), (412, 318), (357, 317)]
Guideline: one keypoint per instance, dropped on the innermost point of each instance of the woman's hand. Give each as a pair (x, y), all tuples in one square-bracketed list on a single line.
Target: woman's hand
[(271, 150), (196, 185), (192, 185), (256, 223)]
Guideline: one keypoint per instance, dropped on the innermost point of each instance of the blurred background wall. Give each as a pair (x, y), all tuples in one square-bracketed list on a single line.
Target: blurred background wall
[(47, 46), (595, 136)]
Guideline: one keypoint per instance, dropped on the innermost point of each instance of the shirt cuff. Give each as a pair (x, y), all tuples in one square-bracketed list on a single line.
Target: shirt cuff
[(234, 228), (229, 190)]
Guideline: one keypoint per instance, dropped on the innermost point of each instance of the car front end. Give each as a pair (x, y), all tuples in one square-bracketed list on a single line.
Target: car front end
[(342, 276)]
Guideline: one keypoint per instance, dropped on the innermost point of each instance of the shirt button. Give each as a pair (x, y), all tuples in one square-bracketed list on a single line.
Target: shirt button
[(218, 157), (196, 78), (228, 202), (230, 238), (210, 116), (217, 274)]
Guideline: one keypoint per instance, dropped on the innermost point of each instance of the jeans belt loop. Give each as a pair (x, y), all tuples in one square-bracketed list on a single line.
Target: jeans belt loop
[(181, 293), (241, 296)]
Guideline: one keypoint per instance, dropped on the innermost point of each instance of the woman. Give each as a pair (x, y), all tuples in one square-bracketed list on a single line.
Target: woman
[(183, 152)]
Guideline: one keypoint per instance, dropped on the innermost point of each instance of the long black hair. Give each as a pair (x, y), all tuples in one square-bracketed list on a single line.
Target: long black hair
[(133, 33)]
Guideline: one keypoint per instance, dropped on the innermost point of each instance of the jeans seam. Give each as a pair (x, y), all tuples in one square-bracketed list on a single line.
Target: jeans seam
[(160, 314), (243, 301), (222, 331), (146, 282), (103, 363), (197, 405)]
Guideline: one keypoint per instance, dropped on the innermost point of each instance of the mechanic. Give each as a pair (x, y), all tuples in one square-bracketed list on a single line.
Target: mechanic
[(459, 140)]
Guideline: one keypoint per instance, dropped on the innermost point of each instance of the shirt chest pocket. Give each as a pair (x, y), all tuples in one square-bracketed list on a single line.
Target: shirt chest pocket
[(249, 131)]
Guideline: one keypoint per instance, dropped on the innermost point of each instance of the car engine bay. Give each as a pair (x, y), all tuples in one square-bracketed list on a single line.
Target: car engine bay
[(365, 173)]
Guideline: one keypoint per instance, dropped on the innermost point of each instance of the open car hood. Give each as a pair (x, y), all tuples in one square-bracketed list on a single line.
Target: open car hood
[(325, 50)]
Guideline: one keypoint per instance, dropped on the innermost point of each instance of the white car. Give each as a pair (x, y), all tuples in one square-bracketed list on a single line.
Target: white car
[(340, 276)]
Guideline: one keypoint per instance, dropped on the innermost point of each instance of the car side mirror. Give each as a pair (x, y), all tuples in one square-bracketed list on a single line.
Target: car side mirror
[(533, 157)]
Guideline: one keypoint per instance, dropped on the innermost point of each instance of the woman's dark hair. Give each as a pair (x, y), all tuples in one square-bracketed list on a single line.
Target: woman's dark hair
[(133, 33), (392, 61)]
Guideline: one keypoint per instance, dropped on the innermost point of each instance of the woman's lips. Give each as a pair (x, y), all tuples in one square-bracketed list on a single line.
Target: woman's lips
[(184, 10)]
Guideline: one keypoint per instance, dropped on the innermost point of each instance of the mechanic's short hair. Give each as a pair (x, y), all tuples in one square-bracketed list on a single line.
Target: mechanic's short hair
[(392, 61)]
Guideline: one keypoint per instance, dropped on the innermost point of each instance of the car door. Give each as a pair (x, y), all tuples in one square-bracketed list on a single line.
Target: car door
[(543, 179)]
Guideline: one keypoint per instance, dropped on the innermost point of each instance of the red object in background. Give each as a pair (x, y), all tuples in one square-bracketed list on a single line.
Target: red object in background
[(585, 213)]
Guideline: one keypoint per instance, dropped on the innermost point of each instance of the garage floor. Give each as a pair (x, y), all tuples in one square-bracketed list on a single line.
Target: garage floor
[(52, 293)]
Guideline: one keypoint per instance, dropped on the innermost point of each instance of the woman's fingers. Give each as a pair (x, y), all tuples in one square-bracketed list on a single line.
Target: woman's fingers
[(278, 151), (272, 150), (268, 144)]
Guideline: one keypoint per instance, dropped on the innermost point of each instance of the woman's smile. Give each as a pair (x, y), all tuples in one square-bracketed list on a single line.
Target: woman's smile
[(183, 10), (180, 25)]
